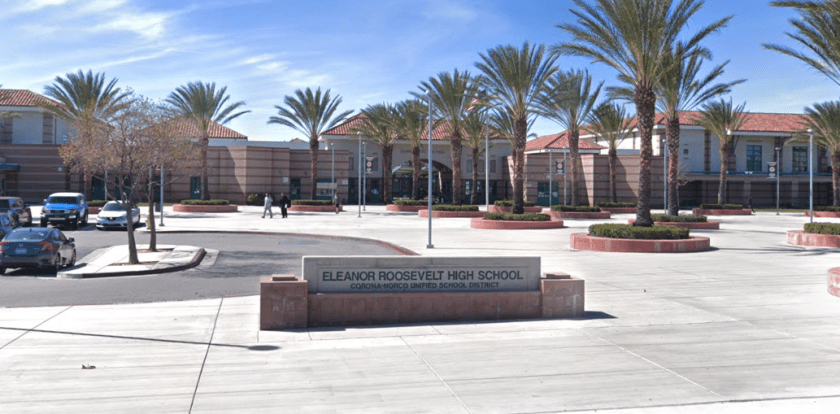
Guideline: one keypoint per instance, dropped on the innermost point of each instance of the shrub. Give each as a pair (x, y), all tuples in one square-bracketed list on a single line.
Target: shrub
[(311, 202), (255, 199), (721, 207), (626, 231), (609, 204), (576, 209), (820, 208), (448, 207), (691, 218), (517, 217), (204, 202), (823, 228), (411, 202), (96, 203), (146, 204), (509, 203)]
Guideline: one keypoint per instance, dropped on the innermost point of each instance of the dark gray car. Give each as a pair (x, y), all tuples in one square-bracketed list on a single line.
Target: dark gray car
[(38, 247)]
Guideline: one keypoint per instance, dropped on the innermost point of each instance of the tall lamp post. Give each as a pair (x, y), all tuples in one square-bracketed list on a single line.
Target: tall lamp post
[(332, 179), (811, 173), (487, 167), (364, 183), (431, 169), (778, 173), (550, 176), (359, 194), (565, 180)]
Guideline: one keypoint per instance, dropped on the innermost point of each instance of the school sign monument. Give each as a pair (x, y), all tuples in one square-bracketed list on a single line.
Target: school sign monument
[(367, 290)]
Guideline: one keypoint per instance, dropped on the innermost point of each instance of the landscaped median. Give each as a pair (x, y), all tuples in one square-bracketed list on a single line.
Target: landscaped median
[(450, 211), (577, 212), (313, 206), (617, 208), (510, 221), (624, 238), (816, 235), (407, 206), (205, 206), (722, 210), (506, 206), (694, 222), (825, 212)]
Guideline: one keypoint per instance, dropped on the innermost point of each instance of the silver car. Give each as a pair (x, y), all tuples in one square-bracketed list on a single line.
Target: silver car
[(112, 216)]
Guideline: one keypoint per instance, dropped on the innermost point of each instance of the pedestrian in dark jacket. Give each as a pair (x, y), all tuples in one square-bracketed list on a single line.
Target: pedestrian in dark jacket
[(284, 204)]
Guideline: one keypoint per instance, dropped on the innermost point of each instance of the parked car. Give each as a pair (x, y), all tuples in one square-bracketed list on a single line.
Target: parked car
[(18, 208), (65, 208), (112, 215), (37, 247), (7, 224)]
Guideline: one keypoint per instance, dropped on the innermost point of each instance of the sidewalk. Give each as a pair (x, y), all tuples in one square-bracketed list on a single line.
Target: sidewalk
[(746, 327)]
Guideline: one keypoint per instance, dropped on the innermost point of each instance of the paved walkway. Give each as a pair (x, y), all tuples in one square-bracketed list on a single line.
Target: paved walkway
[(747, 327)]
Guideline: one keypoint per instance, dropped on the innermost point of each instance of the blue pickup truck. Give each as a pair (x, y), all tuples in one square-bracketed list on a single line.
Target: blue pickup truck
[(65, 208)]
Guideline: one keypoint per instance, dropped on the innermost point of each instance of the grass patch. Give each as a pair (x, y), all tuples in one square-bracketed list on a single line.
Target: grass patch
[(517, 217), (626, 231)]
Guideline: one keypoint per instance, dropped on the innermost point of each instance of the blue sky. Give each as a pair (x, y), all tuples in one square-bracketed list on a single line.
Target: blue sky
[(366, 51)]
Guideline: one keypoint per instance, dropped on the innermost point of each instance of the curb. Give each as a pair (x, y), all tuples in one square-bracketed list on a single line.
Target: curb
[(195, 261)]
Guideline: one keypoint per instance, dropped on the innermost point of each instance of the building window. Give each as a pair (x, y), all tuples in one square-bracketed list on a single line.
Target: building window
[(469, 166), (754, 158), (493, 166), (350, 163), (800, 160)]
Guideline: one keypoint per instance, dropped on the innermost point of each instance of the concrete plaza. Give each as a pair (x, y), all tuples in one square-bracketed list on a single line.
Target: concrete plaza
[(746, 327)]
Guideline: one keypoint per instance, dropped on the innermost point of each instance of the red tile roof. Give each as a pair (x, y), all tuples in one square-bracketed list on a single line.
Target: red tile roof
[(440, 132), (756, 121), (298, 140), (23, 97), (189, 129), (559, 141)]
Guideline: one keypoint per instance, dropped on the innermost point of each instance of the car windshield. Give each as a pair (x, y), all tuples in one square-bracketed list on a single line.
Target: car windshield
[(61, 200), (113, 207), (4, 203), (27, 235)]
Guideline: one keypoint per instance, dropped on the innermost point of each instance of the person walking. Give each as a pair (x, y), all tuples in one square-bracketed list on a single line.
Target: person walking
[(284, 204), (267, 206), (337, 202)]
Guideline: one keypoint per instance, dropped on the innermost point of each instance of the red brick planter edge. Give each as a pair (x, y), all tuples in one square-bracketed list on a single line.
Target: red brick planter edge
[(834, 281), (583, 241), (704, 225), (717, 212), (451, 214), (801, 238), (182, 208), (481, 223)]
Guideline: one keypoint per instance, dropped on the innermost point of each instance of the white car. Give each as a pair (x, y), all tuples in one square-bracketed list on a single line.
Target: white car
[(112, 215)]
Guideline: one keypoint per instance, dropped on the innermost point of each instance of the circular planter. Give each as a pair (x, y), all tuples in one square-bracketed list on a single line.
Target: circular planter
[(824, 214), (450, 214), (801, 238), (182, 208), (481, 223), (703, 225), (619, 210), (834, 281), (583, 241), (578, 215), (498, 209), (314, 209), (404, 209), (721, 212)]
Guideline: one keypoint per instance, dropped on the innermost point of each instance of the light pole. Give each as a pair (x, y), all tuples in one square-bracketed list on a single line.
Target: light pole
[(332, 180), (811, 173), (487, 167), (565, 180), (550, 175), (359, 194), (364, 183), (162, 173), (431, 168), (778, 173)]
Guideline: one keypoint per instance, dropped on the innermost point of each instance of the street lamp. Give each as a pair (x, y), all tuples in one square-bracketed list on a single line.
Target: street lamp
[(811, 172), (565, 179), (431, 168), (359, 194), (487, 167), (364, 183), (550, 176), (332, 180), (778, 173)]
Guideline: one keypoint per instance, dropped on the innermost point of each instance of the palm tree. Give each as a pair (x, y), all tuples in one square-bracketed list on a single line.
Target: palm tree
[(452, 95), (310, 113), (201, 103), (824, 119), (514, 78), (609, 122), (631, 36), (721, 119), (377, 125), (816, 31), (412, 124), (475, 132), (88, 103), (569, 100)]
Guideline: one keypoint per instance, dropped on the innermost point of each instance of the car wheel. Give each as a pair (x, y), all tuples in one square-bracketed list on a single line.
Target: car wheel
[(2, 270), (57, 263), (72, 260), (85, 221), (74, 224), (43, 223)]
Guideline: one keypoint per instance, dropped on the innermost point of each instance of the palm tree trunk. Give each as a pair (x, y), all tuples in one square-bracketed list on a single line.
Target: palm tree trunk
[(673, 134), (835, 176), (574, 153), (205, 181), (455, 145), (313, 165), (613, 164), (387, 152), (415, 174), (724, 155), (520, 130), (474, 192), (645, 101)]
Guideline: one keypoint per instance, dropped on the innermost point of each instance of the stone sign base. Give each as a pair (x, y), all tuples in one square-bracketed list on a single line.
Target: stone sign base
[(286, 304)]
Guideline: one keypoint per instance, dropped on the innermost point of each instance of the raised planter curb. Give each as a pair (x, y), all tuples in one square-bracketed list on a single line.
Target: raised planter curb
[(577, 214), (834, 281), (183, 208), (619, 210), (404, 209), (801, 238), (824, 214), (158, 269), (583, 241), (451, 214), (721, 212), (481, 223), (701, 225), (314, 209), (498, 209)]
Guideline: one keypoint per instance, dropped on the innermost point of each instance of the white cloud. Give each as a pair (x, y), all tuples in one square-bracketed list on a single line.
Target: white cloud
[(25, 6), (449, 11), (148, 25)]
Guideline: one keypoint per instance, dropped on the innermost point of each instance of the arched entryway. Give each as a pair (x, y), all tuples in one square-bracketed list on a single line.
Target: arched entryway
[(402, 184)]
